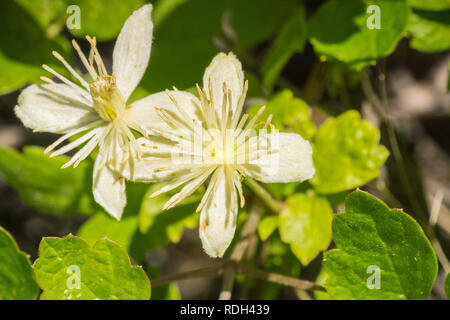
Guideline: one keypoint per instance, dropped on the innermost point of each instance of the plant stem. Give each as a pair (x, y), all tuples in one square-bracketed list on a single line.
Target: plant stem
[(382, 108), (264, 195), (239, 250), (219, 269)]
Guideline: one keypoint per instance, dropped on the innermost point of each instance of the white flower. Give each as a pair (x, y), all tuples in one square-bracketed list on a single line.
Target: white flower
[(206, 137), (97, 109)]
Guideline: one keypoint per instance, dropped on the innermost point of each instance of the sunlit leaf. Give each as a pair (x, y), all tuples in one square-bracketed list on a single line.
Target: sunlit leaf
[(290, 114), (16, 275), (382, 253), (267, 226), (305, 223), (69, 269), (346, 153)]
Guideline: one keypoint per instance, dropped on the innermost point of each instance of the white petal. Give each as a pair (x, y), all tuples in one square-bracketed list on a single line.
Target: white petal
[(132, 50), (142, 115), (218, 216), (291, 160), (109, 189), (223, 69), (53, 108)]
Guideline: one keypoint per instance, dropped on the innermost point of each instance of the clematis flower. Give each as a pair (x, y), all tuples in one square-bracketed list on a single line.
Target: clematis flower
[(96, 109), (206, 138)]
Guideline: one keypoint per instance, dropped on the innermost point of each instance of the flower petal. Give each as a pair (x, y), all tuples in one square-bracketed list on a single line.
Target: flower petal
[(218, 216), (132, 50), (142, 115), (223, 69), (54, 108), (290, 160), (108, 188)]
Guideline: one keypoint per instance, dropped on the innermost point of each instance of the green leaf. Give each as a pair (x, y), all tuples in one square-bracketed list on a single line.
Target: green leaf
[(340, 30), (346, 153), (289, 114), (103, 18), (43, 185), (69, 269), (373, 239), (447, 286), (16, 275), (305, 223), (267, 226), (20, 58), (322, 280), (430, 31), (290, 40), (432, 5)]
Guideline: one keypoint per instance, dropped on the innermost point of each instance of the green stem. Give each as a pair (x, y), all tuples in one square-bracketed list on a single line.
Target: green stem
[(264, 195)]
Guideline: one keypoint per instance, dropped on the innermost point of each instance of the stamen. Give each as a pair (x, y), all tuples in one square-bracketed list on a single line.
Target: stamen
[(71, 70), (241, 123), (69, 134), (240, 105), (98, 59), (177, 183), (83, 93), (180, 110), (224, 107), (238, 186), (188, 189), (210, 191), (253, 120), (76, 143), (89, 69), (83, 153), (48, 80)]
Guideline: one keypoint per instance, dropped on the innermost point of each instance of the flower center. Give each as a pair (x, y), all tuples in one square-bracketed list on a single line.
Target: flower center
[(108, 101)]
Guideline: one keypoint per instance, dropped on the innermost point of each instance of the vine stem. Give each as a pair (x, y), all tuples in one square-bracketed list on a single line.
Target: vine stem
[(219, 269), (249, 229), (382, 108), (264, 195)]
